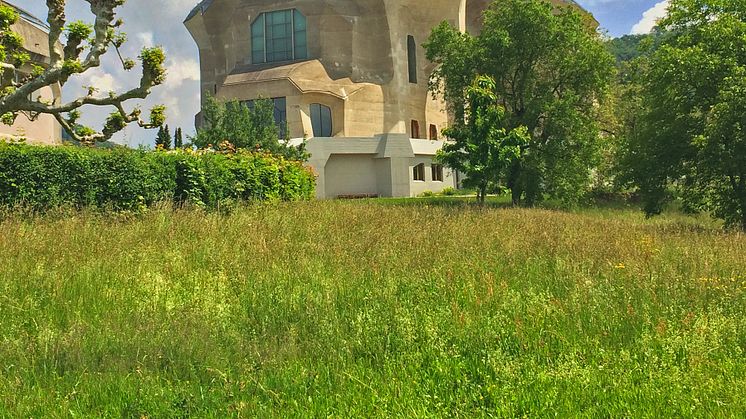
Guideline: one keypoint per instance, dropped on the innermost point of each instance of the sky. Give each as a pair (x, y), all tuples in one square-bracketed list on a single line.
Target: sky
[(159, 22)]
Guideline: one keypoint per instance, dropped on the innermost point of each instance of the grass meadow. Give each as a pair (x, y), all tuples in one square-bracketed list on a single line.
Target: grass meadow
[(371, 309)]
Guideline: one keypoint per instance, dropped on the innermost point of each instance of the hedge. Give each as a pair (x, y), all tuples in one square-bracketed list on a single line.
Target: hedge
[(41, 178)]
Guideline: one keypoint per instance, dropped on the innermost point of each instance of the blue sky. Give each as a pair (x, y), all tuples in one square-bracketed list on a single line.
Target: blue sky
[(181, 92)]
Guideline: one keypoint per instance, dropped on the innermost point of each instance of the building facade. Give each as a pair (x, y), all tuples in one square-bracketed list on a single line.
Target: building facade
[(348, 75), (41, 129)]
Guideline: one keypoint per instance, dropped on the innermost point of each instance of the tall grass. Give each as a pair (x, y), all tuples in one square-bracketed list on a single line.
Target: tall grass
[(356, 309)]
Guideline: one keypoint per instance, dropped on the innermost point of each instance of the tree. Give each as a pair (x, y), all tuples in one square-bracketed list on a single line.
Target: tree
[(84, 47), (690, 138), (163, 140), (551, 70), (481, 148), (244, 126), (178, 138)]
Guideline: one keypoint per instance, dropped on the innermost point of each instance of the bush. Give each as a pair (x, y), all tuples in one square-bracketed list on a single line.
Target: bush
[(41, 178)]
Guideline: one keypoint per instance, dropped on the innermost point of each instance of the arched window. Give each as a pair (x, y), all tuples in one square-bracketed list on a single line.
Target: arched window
[(321, 120), (418, 172), (412, 59), (279, 36)]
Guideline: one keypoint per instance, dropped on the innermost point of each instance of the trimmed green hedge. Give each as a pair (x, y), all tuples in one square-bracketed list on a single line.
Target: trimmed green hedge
[(41, 178)]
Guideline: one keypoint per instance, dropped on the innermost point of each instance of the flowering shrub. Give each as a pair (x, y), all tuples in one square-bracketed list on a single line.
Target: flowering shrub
[(131, 180)]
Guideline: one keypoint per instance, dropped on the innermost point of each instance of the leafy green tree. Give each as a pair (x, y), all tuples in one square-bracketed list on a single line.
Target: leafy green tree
[(19, 77), (551, 70), (244, 127), (163, 140), (481, 147), (178, 138), (690, 132)]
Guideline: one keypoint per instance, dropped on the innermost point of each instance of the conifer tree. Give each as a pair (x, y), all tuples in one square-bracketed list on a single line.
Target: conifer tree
[(163, 140)]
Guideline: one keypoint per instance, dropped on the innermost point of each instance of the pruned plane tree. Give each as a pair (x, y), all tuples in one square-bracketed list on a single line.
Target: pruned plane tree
[(74, 48)]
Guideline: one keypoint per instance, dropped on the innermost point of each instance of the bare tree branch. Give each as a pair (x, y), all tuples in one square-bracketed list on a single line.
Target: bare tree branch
[(96, 39)]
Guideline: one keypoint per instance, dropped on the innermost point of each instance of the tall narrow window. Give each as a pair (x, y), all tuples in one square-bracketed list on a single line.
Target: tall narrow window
[(412, 59), (437, 172), (418, 172), (279, 36), (321, 120), (433, 132), (415, 129)]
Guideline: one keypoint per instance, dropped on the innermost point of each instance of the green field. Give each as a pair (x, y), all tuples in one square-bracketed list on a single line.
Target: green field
[(371, 309)]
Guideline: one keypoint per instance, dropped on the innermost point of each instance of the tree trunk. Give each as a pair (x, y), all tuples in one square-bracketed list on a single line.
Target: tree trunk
[(515, 193), (481, 194)]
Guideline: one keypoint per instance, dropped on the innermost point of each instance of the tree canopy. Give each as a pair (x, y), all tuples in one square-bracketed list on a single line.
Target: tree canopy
[(246, 127), (83, 49), (690, 135), (481, 148), (551, 70)]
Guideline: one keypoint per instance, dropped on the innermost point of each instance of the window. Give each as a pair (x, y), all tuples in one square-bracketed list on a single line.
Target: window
[(280, 114), (321, 120), (415, 129), (437, 171), (412, 59), (279, 36), (433, 132), (419, 172)]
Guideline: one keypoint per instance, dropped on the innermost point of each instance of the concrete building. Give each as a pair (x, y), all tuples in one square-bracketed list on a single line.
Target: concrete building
[(349, 75), (42, 129)]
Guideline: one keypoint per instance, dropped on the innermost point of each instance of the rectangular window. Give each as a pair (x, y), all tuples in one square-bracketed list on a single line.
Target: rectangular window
[(418, 172), (437, 172), (299, 33), (412, 59), (433, 132), (257, 41), (415, 129)]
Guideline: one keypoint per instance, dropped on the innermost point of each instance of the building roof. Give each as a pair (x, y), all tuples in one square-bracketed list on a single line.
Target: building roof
[(201, 8), (307, 76)]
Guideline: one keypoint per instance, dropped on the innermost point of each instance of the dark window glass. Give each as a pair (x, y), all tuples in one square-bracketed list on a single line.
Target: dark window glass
[(257, 41), (419, 172), (437, 172), (279, 36), (433, 132), (412, 59), (321, 120), (415, 129)]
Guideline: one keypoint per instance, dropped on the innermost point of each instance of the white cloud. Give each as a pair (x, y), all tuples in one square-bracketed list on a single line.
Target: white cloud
[(103, 82), (650, 18)]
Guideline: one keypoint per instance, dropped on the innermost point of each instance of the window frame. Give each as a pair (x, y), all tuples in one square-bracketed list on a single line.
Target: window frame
[(418, 172), (414, 128), (298, 24), (433, 132), (322, 109), (412, 59), (437, 172)]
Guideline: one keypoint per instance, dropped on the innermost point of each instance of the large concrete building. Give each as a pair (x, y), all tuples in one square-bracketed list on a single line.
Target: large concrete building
[(41, 129), (349, 75)]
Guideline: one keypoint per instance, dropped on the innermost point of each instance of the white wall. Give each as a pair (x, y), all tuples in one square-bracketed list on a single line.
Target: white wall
[(419, 187), (351, 175)]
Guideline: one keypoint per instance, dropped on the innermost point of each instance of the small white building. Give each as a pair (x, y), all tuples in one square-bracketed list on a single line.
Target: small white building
[(389, 165)]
